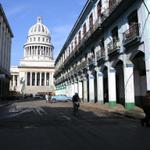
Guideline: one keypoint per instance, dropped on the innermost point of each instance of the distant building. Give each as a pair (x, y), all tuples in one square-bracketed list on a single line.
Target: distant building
[(5, 53), (36, 69), (106, 57)]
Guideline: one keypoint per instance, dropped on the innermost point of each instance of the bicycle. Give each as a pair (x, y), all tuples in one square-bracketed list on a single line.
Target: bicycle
[(76, 106)]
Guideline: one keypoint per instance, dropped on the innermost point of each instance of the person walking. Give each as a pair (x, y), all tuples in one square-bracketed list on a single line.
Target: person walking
[(50, 98), (146, 108), (46, 97)]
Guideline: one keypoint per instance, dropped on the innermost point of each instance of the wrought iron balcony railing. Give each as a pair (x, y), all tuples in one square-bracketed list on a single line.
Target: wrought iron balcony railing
[(92, 60), (131, 34), (100, 54), (82, 65), (113, 46)]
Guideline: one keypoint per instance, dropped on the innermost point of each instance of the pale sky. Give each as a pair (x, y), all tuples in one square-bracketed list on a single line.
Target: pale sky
[(58, 15)]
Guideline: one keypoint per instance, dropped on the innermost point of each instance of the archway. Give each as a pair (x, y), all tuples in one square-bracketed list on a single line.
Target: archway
[(139, 77), (120, 91), (105, 84), (95, 86)]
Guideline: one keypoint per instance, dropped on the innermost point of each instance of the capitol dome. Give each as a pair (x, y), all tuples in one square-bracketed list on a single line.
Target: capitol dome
[(39, 28), (38, 45)]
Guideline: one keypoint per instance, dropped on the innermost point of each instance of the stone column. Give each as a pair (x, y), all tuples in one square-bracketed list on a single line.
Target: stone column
[(40, 78), (69, 89), (129, 86), (112, 86), (91, 87), (80, 88), (85, 91), (75, 85), (72, 88), (25, 78), (30, 78), (35, 78), (45, 79), (13, 81), (100, 90)]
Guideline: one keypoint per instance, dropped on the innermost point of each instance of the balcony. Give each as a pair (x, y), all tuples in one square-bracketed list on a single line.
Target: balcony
[(113, 47), (82, 65), (100, 54), (114, 5), (92, 61), (104, 15), (131, 36)]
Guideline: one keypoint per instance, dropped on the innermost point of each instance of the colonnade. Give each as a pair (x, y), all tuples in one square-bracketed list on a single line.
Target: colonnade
[(38, 50), (38, 78), (92, 86)]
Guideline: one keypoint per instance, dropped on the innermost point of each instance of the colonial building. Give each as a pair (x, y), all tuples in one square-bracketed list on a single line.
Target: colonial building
[(106, 57), (36, 69), (5, 52)]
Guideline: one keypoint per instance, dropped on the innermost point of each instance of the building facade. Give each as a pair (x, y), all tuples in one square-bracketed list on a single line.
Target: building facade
[(36, 69), (5, 53), (106, 57)]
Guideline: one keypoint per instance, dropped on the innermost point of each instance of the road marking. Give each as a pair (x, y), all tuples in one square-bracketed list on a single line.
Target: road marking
[(66, 117)]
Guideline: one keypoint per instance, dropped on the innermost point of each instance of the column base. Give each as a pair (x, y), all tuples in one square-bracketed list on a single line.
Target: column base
[(112, 103), (100, 102), (129, 106)]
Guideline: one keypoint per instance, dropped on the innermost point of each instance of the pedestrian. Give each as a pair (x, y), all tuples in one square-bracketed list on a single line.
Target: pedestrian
[(146, 108), (50, 98), (46, 97), (76, 103)]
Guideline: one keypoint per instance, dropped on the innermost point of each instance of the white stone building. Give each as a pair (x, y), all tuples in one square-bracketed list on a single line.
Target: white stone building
[(5, 53), (36, 69), (106, 57)]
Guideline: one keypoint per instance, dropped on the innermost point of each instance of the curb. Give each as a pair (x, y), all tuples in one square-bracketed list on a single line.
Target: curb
[(139, 114)]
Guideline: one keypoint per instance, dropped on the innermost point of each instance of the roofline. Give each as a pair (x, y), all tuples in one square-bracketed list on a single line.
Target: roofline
[(75, 25), (5, 18)]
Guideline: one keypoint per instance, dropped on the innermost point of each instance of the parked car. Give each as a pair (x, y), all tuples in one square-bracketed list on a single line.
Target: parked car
[(61, 98), (38, 96)]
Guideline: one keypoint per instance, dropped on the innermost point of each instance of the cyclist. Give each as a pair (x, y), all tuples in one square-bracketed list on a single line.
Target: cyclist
[(76, 103)]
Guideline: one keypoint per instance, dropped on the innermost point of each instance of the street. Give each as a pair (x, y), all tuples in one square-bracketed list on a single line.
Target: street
[(37, 125)]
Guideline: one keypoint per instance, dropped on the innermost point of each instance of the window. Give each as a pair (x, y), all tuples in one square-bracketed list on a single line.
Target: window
[(84, 29), (43, 79), (115, 34), (39, 28), (79, 38), (38, 79), (47, 79), (75, 41), (39, 39), (72, 46), (91, 21), (33, 79), (99, 8), (28, 78), (133, 18), (15, 80)]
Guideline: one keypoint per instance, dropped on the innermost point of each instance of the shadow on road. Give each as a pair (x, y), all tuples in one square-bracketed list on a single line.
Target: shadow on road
[(55, 127)]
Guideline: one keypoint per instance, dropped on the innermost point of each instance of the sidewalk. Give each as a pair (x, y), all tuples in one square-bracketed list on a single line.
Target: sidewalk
[(4, 103), (136, 113)]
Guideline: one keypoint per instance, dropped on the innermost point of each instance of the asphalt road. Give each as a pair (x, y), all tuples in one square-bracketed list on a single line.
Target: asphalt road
[(36, 125)]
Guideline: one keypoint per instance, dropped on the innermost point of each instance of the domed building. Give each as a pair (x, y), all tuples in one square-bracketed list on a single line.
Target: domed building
[(36, 69)]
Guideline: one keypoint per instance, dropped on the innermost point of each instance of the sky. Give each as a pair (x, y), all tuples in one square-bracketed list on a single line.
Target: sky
[(58, 15)]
